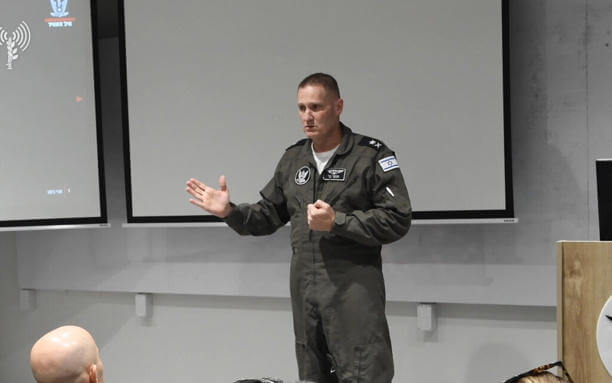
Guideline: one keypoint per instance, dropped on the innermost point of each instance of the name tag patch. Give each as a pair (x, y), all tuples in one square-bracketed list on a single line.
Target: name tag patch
[(388, 163), (334, 175)]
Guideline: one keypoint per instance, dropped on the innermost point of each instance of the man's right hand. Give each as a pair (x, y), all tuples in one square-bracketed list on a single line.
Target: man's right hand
[(216, 202)]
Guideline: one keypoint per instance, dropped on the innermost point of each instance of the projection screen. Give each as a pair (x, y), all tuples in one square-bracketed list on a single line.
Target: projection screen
[(210, 89), (50, 150)]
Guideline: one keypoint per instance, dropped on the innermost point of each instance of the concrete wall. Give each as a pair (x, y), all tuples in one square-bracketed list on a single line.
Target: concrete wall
[(221, 339)]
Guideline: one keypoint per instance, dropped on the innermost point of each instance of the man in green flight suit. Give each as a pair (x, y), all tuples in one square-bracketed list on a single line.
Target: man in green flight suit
[(345, 196)]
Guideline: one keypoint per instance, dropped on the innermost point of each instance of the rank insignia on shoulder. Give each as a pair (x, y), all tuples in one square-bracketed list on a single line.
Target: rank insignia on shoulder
[(299, 143), (388, 163), (372, 143)]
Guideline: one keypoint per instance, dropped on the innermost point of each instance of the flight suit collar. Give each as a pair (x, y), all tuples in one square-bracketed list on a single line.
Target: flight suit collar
[(348, 141)]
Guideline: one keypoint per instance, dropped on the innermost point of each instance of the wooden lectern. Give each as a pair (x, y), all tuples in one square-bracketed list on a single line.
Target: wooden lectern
[(584, 284)]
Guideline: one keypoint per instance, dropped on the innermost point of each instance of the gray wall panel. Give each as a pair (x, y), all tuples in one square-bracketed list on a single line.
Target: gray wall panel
[(559, 126)]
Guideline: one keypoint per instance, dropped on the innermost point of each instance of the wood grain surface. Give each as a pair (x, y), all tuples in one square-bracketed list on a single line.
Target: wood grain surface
[(584, 285)]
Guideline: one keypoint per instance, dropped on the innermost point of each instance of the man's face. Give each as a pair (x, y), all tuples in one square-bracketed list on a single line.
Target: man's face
[(319, 112)]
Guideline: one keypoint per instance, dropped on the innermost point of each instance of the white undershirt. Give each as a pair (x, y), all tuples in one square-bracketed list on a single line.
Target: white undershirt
[(322, 158)]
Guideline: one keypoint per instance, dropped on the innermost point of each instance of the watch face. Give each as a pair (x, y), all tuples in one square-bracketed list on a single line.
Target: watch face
[(604, 335), (340, 219)]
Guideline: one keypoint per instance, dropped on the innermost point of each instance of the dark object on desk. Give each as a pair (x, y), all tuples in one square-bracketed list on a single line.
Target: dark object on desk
[(603, 168)]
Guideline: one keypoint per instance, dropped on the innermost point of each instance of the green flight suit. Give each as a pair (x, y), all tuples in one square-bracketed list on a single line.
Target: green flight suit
[(336, 282)]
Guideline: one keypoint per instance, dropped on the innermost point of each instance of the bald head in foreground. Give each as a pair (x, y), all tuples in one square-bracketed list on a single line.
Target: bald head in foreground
[(543, 377), (67, 354)]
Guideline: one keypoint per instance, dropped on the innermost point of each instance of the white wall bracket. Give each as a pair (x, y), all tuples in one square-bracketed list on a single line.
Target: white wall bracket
[(27, 299), (426, 316), (143, 305)]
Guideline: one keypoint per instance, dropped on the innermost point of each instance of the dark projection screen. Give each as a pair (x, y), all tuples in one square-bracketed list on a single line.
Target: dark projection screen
[(50, 154), (210, 89)]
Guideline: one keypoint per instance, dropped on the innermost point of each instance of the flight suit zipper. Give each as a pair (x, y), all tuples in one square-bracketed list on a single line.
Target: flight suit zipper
[(310, 233), (314, 196)]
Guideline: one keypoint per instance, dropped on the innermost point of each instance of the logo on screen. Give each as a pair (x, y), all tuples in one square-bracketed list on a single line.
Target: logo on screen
[(59, 8), (59, 13), (17, 42)]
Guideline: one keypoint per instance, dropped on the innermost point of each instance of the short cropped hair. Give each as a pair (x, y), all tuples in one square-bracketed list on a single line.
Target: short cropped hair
[(325, 80), (543, 377)]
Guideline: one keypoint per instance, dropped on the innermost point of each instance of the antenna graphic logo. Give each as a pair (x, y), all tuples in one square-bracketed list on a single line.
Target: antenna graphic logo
[(18, 41), (59, 13)]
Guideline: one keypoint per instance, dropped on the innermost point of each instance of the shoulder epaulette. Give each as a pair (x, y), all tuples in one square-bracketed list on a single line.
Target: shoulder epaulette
[(299, 143), (372, 143)]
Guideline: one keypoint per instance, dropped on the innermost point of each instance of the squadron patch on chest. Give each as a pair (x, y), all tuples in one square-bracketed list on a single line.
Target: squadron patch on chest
[(338, 174), (302, 176)]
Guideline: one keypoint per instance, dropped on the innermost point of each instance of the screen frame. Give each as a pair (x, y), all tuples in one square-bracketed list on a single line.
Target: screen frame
[(505, 215), (102, 219), (603, 173)]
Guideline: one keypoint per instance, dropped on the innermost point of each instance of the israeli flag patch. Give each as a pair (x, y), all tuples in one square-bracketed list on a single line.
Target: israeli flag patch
[(388, 163)]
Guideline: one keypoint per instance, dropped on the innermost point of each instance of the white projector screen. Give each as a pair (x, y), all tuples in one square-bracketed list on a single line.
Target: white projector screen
[(50, 154), (210, 89)]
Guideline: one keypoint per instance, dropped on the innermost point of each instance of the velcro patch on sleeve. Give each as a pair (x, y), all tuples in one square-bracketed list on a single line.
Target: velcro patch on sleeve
[(388, 163)]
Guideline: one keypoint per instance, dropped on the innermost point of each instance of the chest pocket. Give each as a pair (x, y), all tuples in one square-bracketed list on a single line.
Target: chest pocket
[(298, 196), (349, 195)]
